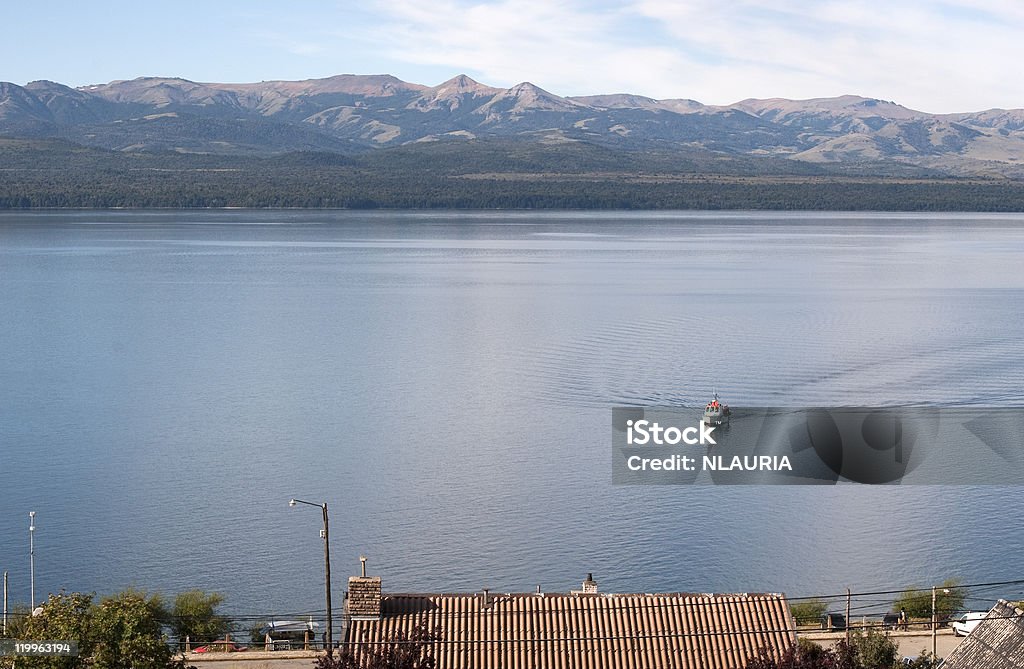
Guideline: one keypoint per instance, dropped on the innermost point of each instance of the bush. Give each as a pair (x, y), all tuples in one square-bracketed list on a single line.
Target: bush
[(923, 661), (63, 616), (918, 601), (129, 633), (257, 637), (804, 655), (873, 650), (808, 612), (121, 631), (195, 616)]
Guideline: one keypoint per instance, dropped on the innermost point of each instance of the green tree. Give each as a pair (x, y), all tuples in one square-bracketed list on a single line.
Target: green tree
[(873, 650), (949, 598), (195, 616), (257, 637), (923, 661), (129, 635), (809, 611), (804, 655), (63, 617), (121, 632), (915, 601)]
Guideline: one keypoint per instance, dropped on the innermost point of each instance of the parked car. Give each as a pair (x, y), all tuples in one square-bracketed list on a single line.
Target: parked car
[(965, 624), (833, 622)]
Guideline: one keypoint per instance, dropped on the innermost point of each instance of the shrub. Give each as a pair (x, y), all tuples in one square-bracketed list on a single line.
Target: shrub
[(257, 637), (123, 630), (808, 612), (195, 616), (875, 649), (918, 601)]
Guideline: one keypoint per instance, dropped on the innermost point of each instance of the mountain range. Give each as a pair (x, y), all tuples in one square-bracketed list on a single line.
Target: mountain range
[(356, 114)]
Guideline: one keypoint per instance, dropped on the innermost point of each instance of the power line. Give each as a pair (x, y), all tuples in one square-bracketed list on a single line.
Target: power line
[(621, 637), (700, 599), (650, 601)]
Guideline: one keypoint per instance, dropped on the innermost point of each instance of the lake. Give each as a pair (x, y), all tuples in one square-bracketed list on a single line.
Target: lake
[(169, 380)]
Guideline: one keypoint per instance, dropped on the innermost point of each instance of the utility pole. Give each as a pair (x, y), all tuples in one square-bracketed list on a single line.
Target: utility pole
[(32, 553), (325, 535), (327, 582), (934, 626), (848, 615), (5, 603)]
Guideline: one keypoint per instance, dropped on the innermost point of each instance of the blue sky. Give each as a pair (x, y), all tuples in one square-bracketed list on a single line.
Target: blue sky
[(938, 56)]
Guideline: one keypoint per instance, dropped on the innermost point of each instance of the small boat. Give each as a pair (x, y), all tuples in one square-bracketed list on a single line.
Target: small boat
[(716, 412)]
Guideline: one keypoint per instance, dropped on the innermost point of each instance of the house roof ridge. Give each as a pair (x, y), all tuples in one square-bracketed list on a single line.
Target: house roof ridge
[(1012, 605)]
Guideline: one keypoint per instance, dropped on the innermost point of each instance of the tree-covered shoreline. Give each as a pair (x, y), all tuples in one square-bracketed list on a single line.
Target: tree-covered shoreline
[(52, 174)]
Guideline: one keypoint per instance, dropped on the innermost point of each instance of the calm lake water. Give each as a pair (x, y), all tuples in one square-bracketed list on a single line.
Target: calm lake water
[(168, 381)]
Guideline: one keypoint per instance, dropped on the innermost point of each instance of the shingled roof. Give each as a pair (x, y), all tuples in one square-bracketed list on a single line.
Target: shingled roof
[(996, 643), (584, 630)]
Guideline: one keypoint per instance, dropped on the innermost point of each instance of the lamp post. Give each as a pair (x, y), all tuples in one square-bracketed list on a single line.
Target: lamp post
[(32, 554), (327, 569), (935, 619)]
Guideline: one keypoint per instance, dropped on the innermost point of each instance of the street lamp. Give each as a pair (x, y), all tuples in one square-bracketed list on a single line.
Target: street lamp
[(935, 619), (32, 553), (327, 569)]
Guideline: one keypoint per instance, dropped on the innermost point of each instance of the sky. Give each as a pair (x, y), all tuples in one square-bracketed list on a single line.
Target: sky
[(932, 55)]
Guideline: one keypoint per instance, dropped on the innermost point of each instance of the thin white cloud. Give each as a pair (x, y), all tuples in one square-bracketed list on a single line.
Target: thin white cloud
[(287, 43), (923, 54), (557, 45), (956, 55)]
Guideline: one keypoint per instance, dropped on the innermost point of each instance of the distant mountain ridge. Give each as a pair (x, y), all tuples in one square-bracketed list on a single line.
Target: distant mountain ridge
[(352, 114)]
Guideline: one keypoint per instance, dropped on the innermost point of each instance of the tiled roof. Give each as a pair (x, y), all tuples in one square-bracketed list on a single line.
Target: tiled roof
[(996, 643), (586, 631)]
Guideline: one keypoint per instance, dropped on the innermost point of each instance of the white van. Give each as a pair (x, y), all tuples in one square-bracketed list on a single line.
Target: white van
[(966, 623)]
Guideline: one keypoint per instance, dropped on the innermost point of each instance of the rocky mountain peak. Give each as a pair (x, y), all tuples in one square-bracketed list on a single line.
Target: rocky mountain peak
[(464, 84), (370, 111), (526, 96), (451, 94)]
